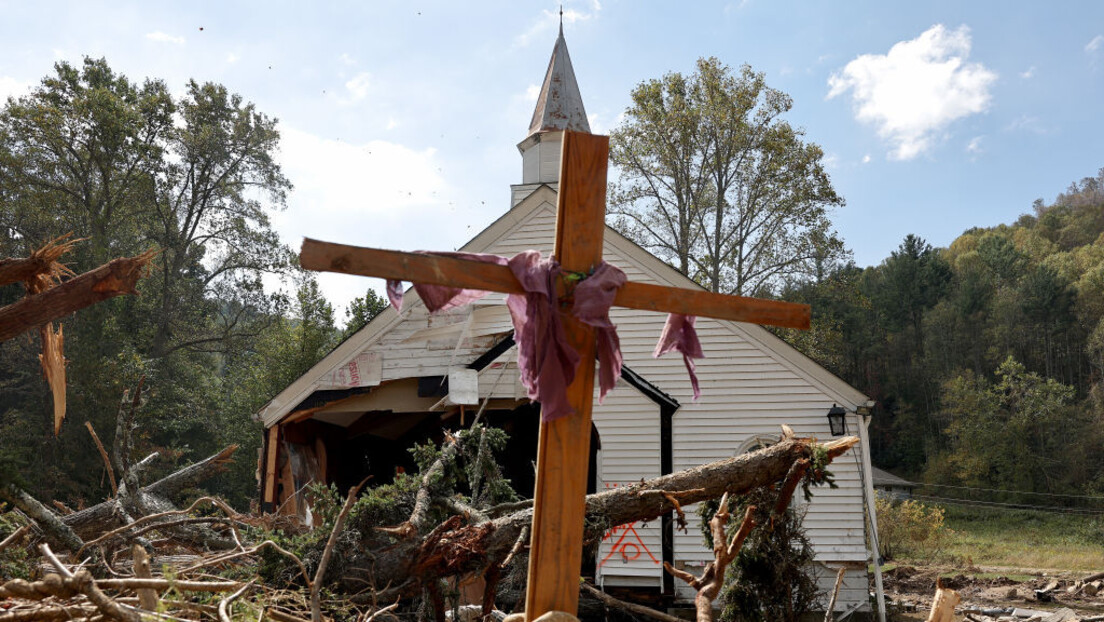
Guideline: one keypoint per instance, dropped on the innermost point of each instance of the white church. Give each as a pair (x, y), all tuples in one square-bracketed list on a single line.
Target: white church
[(406, 375)]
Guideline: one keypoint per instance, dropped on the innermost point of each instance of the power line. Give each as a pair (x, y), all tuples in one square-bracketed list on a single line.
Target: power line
[(1054, 509), (1019, 492)]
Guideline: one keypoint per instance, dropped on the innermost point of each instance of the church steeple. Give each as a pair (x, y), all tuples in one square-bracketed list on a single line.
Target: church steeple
[(559, 107)]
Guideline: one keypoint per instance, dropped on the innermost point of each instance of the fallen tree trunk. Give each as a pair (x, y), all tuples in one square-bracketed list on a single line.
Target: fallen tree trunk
[(456, 549), (93, 521), (112, 279), (57, 533)]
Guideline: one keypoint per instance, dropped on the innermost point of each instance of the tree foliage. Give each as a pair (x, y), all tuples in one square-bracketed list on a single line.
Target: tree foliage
[(985, 358), (715, 181), (130, 167)]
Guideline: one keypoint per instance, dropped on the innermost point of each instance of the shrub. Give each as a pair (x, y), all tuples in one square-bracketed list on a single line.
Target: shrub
[(909, 527)]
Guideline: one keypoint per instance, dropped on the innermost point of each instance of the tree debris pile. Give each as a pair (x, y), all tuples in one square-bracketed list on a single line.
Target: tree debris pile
[(452, 536)]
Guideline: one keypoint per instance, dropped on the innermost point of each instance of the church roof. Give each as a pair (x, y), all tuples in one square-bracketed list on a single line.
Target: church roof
[(559, 105)]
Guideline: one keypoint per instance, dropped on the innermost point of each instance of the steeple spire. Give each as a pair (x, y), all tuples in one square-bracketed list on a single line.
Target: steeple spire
[(559, 108), (559, 105)]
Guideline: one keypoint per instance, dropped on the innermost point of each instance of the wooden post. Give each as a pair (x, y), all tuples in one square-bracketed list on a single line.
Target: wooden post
[(272, 448), (563, 448)]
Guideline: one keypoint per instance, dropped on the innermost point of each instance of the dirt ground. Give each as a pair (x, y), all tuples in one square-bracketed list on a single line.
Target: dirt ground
[(909, 591)]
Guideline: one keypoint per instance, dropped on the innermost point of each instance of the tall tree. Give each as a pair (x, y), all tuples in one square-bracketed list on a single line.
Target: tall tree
[(212, 217), (129, 167), (362, 310), (715, 181)]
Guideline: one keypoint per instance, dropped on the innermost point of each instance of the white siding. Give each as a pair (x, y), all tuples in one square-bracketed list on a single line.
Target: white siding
[(628, 426), (854, 589)]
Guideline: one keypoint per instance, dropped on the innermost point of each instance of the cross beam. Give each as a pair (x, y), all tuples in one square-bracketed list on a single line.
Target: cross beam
[(555, 555), (439, 270)]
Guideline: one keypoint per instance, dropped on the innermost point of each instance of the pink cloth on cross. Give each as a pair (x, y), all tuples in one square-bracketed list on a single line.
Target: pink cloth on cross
[(442, 297), (679, 334), (546, 361)]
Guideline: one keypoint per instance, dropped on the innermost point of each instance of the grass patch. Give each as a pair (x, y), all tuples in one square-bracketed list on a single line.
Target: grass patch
[(1021, 539)]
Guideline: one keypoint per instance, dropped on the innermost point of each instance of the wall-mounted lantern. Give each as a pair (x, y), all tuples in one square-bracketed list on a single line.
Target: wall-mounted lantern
[(837, 420)]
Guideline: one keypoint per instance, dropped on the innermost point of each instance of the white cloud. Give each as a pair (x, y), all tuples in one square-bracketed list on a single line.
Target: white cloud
[(1029, 74), (377, 193), (392, 123), (733, 7), (162, 37), (974, 146), (1027, 123), (1094, 45), (597, 124), (550, 20), (359, 85), (913, 92), (346, 59), (866, 159), (532, 92), (10, 87), (232, 58)]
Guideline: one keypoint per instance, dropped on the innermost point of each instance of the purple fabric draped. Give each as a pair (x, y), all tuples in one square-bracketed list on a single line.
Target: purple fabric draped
[(593, 298), (546, 361), (679, 334), (442, 297)]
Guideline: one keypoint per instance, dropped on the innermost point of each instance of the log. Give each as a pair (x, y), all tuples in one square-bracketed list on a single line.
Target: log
[(57, 532), (112, 279), (454, 549)]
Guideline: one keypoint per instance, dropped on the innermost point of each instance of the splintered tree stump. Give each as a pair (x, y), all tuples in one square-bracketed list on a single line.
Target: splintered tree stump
[(943, 604)]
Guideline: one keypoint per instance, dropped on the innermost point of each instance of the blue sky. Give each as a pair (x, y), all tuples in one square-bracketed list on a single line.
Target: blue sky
[(400, 119)]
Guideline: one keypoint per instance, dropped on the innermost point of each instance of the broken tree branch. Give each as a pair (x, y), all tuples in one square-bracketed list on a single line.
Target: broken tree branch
[(112, 279), (41, 263), (632, 608), (830, 612), (149, 522), (712, 579), (15, 536), (106, 460), (102, 517), (339, 524), (224, 604), (250, 551), (455, 548)]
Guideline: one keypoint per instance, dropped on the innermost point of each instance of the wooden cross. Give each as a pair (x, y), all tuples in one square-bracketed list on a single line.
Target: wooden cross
[(555, 555)]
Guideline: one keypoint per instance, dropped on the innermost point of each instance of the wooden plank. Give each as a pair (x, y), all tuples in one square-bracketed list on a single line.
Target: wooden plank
[(435, 270), (648, 297), (563, 448), (268, 499)]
